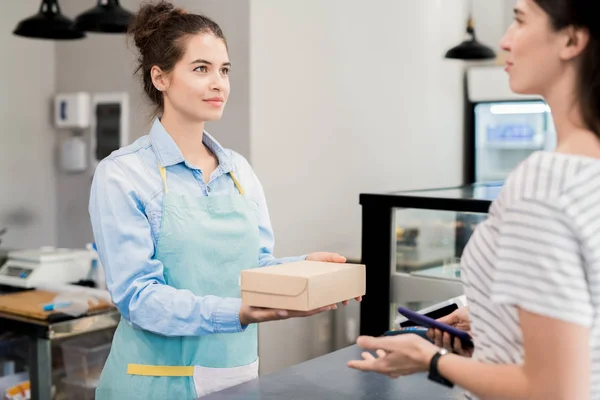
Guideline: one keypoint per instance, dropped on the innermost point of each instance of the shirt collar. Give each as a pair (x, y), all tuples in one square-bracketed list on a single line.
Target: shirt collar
[(167, 152)]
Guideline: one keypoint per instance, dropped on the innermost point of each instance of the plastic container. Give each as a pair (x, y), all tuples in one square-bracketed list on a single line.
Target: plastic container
[(7, 382), (85, 356), (14, 354), (78, 390)]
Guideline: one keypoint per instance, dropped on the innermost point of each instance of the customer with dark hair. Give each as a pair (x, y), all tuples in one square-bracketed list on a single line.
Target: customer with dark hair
[(532, 269)]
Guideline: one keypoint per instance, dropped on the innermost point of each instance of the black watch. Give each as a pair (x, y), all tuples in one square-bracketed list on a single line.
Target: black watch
[(434, 374)]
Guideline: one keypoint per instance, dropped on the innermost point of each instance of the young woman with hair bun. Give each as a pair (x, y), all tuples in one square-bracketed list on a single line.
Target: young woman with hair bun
[(176, 218)]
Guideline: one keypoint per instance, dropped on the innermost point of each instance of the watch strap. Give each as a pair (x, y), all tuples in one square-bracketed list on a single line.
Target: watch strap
[(434, 373)]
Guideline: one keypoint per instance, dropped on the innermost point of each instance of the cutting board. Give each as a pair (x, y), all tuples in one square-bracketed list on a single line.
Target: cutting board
[(30, 304)]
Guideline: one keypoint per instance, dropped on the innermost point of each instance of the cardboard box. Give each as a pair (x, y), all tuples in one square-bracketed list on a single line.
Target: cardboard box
[(302, 285)]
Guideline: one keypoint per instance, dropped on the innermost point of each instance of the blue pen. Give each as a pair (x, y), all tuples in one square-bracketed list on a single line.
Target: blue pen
[(55, 306)]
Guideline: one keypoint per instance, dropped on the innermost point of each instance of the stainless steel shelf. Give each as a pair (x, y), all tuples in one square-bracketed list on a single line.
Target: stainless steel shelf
[(83, 325)]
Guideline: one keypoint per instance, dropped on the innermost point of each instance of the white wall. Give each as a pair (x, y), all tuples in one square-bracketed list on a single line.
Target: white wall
[(348, 99), (27, 177), (491, 20)]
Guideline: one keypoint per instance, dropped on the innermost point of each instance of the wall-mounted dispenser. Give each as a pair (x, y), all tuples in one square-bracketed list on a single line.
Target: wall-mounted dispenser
[(72, 113), (72, 110)]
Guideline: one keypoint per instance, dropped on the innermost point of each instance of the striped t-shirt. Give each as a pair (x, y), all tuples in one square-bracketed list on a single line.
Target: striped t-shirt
[(539, 249)]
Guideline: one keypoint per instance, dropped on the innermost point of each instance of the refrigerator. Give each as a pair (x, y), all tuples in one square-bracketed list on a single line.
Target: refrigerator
[(502, 128)]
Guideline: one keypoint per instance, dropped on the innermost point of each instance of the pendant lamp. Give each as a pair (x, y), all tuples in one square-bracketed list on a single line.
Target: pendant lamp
[(48, 23), (470, 48), (107, 17)]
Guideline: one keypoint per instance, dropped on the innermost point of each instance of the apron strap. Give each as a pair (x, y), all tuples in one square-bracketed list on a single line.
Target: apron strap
[(237, 184), (159, 370), (163, 176)]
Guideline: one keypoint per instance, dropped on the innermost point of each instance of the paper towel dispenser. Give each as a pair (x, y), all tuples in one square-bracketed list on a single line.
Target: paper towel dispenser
[(72, 110)]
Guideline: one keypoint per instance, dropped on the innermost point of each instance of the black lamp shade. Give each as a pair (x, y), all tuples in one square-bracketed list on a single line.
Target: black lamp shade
[(107, 17), (470, 48), (48, 23)]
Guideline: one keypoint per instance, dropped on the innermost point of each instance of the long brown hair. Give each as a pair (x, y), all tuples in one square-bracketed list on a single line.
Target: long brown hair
[(582, 14)]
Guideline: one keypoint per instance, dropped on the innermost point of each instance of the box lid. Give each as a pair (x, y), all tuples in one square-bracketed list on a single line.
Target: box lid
[(282, 285), (290, 279)]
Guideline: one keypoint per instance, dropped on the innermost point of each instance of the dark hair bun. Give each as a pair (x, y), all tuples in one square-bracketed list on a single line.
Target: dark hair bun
[(148, 22)]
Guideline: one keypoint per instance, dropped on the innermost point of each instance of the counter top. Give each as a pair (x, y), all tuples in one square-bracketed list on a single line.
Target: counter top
[(328, 377), (476, 197)]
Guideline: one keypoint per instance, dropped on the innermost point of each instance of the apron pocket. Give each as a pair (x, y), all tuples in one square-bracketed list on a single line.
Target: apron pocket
[(210, 380)]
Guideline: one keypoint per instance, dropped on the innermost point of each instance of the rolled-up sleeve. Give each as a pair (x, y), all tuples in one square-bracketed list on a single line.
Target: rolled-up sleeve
[(134, 278)]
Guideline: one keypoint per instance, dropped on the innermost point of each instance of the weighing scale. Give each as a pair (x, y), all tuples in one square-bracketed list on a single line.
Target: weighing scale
[(29, 268)]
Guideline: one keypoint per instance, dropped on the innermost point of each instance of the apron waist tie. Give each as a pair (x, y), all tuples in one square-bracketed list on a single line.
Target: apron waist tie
[(159, 370)]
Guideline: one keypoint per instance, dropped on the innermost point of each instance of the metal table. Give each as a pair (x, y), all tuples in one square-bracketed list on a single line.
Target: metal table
[(328, 377), (42, 333)]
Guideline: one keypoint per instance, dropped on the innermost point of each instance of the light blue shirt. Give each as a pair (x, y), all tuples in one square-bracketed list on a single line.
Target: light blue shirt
[(126, 212)]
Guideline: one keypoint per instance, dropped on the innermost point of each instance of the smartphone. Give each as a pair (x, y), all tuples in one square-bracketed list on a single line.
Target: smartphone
[(425, 321), (432, 313)]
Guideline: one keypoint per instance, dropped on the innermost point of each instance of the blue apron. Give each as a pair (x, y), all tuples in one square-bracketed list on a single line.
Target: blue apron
[(204, 244)]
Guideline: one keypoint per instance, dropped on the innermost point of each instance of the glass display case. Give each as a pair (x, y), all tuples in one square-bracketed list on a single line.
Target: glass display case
[(411, 245)]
